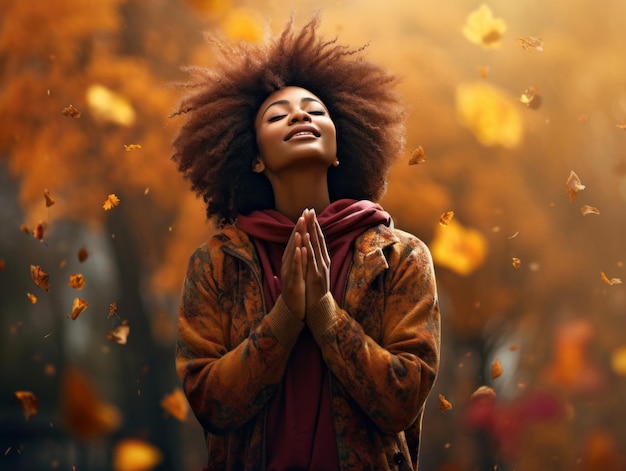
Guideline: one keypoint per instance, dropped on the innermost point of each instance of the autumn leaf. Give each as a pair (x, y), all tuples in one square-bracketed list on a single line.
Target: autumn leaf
[(482, 28), (83, 255), (84, 413), (418, 156), (496, 369), (458, 248), (490, 114), (135, 455), (516, 263), (39, 230), (78, 306), (585, 210), (446, 218), (610, 282), (131, 147), (530, 43), (444, 404), (528, 96), (483, 393), (48, 197), (77, 281), (32, 298), (176, 404), (119, 334), (39, 277), (111, 202), (107, 105), (573, 185), (71, 112), (112, 310), (28, 402)]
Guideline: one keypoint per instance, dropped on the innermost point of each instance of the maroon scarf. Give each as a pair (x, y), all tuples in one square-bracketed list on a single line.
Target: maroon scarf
[(300, 409)]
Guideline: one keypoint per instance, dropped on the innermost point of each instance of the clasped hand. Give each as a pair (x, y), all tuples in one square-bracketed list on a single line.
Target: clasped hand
[(305, 273)]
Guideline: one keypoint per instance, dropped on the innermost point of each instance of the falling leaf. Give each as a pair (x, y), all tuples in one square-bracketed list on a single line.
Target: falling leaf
[(176, 404), (78, 306), (444, 404), (107, 105), (516, 263), (84, 414), (612, 281), (446, 218), (483, 393), (83, 255), (120, 334), (71, 112), (77, 281), (586, 210), (49, 199), (40, 278), (111, 202), (418, 156), (39, 230), (618, 361), (529, 43), (32, 298), (496, 369), (490, 114), (528, 97), (573, 185), (28, 402), (458, 248), (131, 147), (112, 310), (482, 28), (135, 455)]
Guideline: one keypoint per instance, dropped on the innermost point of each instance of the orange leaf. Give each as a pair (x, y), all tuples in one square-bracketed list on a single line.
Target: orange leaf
[(496, 369), (528, 96), (516, 263), (83, 255), (176, 404), (586, 210), (446, 217), (77, 281), (120, 334), (71, 112), (40, 278), (111, 202), (573, 185), (78, 306), (444, 404), (85, 415), (135, 455), (39, 230), (483, 393), (612, 281), (28, 402), (49, 199), (112, 310), (129, 147), (32, 298), (418, 156)]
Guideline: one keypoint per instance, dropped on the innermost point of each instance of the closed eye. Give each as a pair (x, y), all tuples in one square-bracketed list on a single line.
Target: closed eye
[(277, 117)]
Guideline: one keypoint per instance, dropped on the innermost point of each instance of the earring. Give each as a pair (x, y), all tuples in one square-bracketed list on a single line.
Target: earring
[(258, 166), (336, 163)]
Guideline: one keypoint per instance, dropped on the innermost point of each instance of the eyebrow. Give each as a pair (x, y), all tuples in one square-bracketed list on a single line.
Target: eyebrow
[(286, 102)]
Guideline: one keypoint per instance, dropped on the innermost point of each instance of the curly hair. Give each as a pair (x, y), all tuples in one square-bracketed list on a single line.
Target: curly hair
[(216, 146)]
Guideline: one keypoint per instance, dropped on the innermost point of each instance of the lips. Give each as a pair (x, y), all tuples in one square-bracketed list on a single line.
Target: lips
[(302, 129)]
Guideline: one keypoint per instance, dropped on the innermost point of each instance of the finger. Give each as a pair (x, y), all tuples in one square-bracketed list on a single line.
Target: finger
[(322, 242), (311, 260)]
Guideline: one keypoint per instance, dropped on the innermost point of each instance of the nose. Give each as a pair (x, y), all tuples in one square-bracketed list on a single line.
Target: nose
[(300, 115)]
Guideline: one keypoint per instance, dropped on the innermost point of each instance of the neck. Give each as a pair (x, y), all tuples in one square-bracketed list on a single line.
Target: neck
[(299, 191)]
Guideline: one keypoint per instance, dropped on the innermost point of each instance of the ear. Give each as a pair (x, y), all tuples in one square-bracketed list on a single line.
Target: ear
[(258, 166)]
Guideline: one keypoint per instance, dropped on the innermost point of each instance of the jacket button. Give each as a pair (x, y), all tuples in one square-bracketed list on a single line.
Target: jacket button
[(398, 458)]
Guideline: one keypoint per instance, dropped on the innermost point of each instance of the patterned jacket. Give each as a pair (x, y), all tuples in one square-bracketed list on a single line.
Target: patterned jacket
[(381, 349)]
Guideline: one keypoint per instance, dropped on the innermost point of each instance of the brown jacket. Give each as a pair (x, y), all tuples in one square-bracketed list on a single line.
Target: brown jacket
[(382, 349)]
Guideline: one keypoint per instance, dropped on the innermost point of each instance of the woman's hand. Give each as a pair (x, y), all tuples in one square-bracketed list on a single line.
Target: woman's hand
[(317, 268), (293, 270)]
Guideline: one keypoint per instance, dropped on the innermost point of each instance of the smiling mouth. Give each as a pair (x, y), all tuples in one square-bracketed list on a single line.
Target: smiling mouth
[(303, 131)]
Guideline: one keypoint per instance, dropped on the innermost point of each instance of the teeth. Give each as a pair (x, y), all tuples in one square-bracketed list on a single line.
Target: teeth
[(303, 133)]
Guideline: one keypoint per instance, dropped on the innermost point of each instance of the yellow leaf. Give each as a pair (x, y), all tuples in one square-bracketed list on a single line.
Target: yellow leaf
[(111, 202), (516, 263), (130, 147), (446, 217), (612, 281), (489, 114), (458, 248), (482, 28), (618, 361), (135, 455), (176, 404), (28, 402), (107, 105), (444, 404), (32, 298), (586, 210), (530, 43), (418, 156)]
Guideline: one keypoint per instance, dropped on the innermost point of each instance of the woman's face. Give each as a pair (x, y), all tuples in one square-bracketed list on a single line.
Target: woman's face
[(293, 128)]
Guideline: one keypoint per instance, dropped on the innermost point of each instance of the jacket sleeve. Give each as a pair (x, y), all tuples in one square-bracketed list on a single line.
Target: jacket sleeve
[(390, 381), (225, 386)]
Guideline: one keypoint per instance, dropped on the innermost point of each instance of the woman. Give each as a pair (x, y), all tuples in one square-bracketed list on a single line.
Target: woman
[(308, 325)]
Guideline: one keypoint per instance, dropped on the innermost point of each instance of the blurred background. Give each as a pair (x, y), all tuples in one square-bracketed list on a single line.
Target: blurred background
[(517, 126)]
